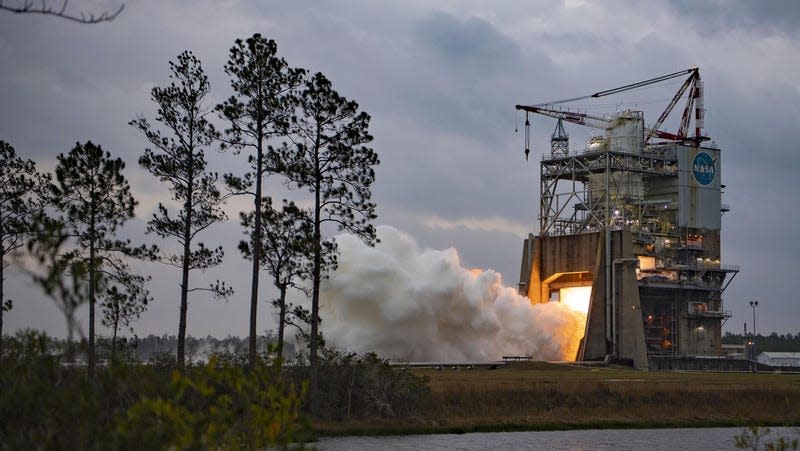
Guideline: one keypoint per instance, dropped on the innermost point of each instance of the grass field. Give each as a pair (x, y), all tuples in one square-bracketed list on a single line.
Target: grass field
[(530, 396)]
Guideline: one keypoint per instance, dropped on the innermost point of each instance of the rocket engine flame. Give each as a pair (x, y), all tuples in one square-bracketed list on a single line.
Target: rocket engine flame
[(422, 305)]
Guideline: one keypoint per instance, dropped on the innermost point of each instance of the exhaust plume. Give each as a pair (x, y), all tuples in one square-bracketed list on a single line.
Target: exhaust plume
[(420, 305)]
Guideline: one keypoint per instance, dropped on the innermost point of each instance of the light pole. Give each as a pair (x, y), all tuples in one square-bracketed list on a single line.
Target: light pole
[(753, 305)]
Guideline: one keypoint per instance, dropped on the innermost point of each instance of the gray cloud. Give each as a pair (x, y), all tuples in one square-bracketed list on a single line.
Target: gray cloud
[(763, 17), (472, 47), (440, 85)]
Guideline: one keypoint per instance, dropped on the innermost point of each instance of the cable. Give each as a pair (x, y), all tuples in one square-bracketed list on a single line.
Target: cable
[(621, 88)]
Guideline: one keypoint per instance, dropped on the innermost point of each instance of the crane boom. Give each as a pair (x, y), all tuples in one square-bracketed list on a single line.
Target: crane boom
[(693, 102), (588, 120), (569, 116)]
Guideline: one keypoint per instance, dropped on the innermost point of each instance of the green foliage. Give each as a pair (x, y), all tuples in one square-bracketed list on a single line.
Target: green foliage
[(330, 159), (217, 407), (18, 181), (92, 192), (19, 202), (287, 244), (364, 386), (123, 304), (260, 108), (163, 359), (178, 159), (116, 350), (94, 199), (47, 404)]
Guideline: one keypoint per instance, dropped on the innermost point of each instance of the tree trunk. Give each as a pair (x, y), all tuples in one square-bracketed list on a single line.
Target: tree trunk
[(68, 348), (184, 307), (314, 361), (186, 262), (92, 282), (256, 248), (281, 322), (2, 283), (114, 344)]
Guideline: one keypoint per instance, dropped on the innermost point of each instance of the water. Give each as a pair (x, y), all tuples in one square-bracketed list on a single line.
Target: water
[(606, 439)]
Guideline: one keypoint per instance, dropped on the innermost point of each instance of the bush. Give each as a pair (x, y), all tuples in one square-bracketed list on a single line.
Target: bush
[(353, 386), (217, 407), (48, 404)]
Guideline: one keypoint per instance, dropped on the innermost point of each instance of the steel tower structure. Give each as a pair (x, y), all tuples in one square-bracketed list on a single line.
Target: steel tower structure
[(636, 215)]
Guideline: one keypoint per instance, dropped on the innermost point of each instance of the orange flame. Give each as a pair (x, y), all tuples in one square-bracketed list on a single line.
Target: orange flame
[(576, 299)]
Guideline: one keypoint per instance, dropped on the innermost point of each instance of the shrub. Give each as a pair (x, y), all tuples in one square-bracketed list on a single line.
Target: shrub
[(217, 407), (353, 386), (49, 404)]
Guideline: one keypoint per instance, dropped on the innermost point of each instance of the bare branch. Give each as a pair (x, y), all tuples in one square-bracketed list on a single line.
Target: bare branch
[(43, 7)]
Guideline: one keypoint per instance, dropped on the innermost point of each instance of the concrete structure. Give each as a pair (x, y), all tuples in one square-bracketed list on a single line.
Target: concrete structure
[(639, 222)]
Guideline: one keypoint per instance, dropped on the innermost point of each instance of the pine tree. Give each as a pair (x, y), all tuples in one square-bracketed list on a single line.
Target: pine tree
[(287, 247), (178, 159), (259, 110), (330, 159), (125, 299), (94, 199), (18, 205)]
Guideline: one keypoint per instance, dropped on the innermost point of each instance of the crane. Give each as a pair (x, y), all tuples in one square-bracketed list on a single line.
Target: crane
[(694, 103)]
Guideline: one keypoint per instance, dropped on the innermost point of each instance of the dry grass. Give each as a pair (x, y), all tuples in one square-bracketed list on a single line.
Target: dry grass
[(546, 396)]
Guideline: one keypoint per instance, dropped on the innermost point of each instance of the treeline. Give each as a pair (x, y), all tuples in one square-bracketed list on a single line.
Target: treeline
[(766, 343), (277, 121), (162, 348)]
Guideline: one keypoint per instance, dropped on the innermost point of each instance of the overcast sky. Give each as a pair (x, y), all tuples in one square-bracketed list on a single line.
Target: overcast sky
[(440, 80)]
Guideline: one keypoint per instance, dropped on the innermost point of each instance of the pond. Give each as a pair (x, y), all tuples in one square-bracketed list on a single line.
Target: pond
[(605, 439)]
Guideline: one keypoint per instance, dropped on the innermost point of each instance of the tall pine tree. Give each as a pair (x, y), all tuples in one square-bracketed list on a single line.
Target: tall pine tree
[(178, 159), (330, 158), (94, 199), (18, 205), (259, 110)]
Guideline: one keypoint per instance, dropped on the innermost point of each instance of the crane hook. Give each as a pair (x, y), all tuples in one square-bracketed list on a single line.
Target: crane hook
[(527, 135)]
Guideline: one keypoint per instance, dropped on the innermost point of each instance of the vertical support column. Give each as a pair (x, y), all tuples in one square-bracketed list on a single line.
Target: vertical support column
[(607, 221), (596, 341), (627, 319)]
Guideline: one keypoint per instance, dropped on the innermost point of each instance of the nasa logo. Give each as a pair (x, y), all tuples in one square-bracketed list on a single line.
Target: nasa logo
[(703, 168)]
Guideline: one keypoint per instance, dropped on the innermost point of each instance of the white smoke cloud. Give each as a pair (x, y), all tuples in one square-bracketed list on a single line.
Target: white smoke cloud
[(421, 305)]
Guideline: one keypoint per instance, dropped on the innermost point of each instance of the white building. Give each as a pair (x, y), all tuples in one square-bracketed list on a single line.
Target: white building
[(779, 358)]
